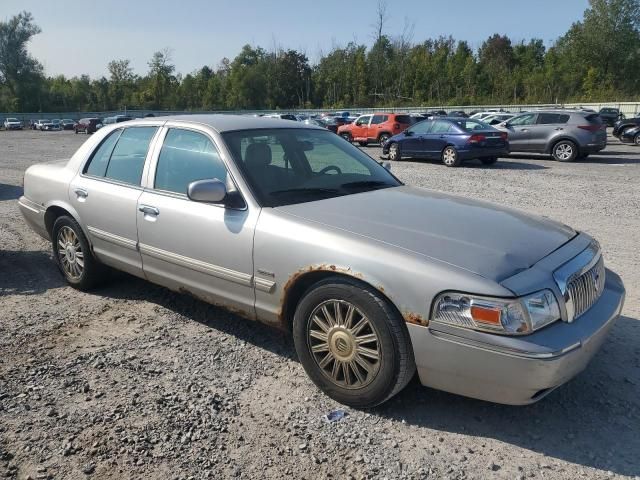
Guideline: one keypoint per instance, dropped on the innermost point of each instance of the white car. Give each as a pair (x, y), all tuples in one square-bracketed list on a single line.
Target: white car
[(12, 124)]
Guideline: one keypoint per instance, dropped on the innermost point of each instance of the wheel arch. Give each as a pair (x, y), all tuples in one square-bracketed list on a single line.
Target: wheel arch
[(58, 209), (301, 282), (556, 140)]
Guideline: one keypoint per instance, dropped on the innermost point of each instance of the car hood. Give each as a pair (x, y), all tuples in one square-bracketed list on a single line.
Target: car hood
[(492, 241)]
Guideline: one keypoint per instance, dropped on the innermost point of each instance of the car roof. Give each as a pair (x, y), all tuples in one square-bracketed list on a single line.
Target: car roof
[(228, 123)]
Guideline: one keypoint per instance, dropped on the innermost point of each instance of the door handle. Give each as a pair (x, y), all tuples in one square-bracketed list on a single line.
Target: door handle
[(524, 130), (81, 193), (148, 210)]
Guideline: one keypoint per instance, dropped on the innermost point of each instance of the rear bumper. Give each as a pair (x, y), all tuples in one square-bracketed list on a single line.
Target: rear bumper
[(593, 147), (34, 216), (515, 376)]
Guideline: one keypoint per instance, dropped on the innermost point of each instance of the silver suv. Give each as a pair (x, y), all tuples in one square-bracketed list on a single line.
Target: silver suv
[(565, 134)]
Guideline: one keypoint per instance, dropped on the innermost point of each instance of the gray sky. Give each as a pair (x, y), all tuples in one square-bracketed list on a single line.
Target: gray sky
[(82, 38)]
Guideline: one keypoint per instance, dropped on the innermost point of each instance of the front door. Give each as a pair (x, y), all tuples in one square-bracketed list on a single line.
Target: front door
[(105, 194), (360, 128), (547, 126), (436, 139), (414, 143), (519, 131), (198, 248)]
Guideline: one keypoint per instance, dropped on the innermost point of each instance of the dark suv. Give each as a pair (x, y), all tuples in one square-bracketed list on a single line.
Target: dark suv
[(610, 115), (565, 134), (87, 125), (625, 124)]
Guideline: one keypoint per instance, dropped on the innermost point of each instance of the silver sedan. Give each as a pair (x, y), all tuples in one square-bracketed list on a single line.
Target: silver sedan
[(290, 225)]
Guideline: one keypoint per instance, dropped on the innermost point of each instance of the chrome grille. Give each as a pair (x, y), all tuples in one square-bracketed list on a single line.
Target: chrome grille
[(584, 290), (581, 281)]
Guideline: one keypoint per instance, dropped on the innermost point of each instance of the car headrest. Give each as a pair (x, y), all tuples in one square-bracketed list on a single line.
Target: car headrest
[(258, 155)]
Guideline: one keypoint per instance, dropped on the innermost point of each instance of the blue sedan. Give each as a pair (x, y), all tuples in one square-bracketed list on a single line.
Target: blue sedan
[(451, 140)]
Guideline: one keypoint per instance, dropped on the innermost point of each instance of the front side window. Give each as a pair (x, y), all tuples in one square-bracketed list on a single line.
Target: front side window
[(528, 119), (286, 166), (421, 128), (128, 156), (187, 156), (362, 121)]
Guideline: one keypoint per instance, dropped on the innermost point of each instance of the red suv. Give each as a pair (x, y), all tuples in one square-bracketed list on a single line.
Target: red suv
[(87, 125), (377, 127)]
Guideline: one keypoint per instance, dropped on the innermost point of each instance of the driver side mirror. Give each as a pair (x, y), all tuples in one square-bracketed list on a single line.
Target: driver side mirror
[(207, 191)]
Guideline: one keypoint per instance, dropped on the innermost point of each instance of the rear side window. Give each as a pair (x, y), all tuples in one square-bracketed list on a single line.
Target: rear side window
[(406, 119), (440, 126), (127, 159), (552, 118), (97, 165), (377, 119), (185, 157)]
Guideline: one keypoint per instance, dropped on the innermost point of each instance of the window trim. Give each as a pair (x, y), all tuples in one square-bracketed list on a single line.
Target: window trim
[(149, 179), (147, 159)]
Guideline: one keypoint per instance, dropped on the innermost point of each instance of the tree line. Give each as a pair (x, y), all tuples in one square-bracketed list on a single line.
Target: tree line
[(597, 59)]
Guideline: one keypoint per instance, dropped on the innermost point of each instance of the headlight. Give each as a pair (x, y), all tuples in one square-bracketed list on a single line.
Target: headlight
[(517, 316)]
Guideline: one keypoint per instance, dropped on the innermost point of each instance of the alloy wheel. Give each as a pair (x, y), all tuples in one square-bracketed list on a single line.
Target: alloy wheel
[(394, 151), (564, 151), (70, 253), (344, 344), (449, 156)]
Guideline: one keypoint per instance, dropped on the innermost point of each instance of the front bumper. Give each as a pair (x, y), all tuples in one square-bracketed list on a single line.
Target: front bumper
[(527, 371)]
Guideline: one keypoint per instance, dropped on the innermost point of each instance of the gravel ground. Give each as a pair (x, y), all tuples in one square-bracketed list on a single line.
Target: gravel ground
[(133, 381)]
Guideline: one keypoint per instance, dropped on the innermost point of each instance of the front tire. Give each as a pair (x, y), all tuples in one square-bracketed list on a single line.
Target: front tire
[(73, 255), (636, 139), (565, 151), (346, 136), (353, 345), (450, 157), (394, 152), (383, 138)]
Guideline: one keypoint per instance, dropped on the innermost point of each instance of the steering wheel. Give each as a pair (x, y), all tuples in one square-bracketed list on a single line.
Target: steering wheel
[(329, 168)]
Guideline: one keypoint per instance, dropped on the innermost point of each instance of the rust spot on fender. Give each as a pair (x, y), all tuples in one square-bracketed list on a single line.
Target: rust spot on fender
[(415, 319)]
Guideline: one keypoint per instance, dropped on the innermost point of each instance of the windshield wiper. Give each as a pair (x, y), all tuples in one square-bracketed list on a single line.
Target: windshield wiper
[(305, 191), (365, 184)]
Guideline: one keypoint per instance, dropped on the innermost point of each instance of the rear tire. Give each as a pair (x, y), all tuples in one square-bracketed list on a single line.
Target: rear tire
[(73, 254), (489, 160), (352, 343), (383, 138), (565, 151), (636, 139), (450, 157)]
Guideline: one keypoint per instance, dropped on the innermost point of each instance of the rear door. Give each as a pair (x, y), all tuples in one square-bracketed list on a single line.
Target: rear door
[(377, 126), (200, 248), (547, 126), (437, 138), (519, 131), (105, 194)]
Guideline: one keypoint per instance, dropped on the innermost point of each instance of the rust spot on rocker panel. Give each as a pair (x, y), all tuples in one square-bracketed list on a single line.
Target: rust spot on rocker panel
[(210, 300)]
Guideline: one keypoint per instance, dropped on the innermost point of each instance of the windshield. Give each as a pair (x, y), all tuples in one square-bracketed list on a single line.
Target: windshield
[(12, 119), (286, 166)]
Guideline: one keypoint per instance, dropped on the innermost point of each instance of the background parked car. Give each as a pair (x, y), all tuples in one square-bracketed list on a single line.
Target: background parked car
[(12, 124), (377, 127), (116, 119), (329, 123), (283, 116), (631, 135), (49, 125), (497, 118), (39, 123), (87, 125), (565, 134), (67, 124), (610, 115), (451, 140), (624, 124), (458, 114)]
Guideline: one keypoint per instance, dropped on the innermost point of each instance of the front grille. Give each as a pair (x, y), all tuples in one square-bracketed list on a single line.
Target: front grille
[(584, 291)]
